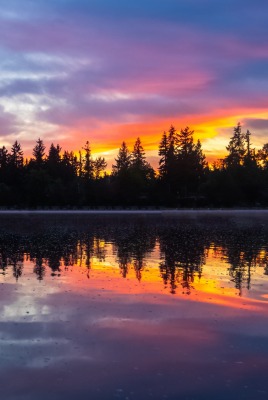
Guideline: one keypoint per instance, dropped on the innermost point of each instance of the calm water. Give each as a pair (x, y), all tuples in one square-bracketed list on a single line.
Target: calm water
[(133, 308)]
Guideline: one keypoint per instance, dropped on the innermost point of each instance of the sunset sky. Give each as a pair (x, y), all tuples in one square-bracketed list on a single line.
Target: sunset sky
[(112, 70)]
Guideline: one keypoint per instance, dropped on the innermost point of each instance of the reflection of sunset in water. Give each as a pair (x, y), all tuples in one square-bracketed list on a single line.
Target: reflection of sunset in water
[(137, 311), (96, 266)]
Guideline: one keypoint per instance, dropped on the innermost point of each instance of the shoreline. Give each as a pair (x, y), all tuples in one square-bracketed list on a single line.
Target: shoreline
[(162, 212)]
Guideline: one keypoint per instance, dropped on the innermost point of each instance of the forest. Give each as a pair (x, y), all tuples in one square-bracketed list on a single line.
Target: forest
[(64, 179)]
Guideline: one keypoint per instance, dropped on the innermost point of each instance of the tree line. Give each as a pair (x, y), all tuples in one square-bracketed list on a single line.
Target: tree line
[(183, 178)]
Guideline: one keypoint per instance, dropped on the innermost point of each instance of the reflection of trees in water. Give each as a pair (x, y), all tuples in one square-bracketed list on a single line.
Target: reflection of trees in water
[(183, 255), (52, 250), (39, 268), (88, 247), (131, 247), (241, 265), (3, 259), (11, 256), (182, 250), (85, 248), (262, 259), (17, 264), (244, 251), (264, 263)]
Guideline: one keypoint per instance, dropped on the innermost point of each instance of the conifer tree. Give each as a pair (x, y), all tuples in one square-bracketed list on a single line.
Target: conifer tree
[(163, 153), (236, 148), (138, 155), (39, 152), (201, 162), (99, 166), (54, 154), (185, 142), (16, 156), (139, 166), (123, 160), (88, 164), (54, 160), (190, 162), (262, 156), (167, 152), (3, 158)]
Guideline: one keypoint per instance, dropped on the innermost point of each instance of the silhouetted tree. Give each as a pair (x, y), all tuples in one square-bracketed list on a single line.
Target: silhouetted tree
[(5, 192), (88, 163), (191, 163), (141, 174), (16, 156), (262, 156), (163, 153), (3, 161), (54, 159), (39, 153), (99, 166), (138, 161), (236, 148), (122, 161)]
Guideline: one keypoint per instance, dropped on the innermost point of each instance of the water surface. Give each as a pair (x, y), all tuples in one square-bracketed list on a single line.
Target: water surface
[(133, 307)]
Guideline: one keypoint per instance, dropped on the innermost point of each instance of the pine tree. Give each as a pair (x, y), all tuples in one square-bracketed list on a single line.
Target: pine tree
[(185, 142), (88, 164), (80, 164), (99, 166), (201, 162), (139, 166), (138, 155), (16, 156), (123, 161), (167, 152), (190, 162), (262, 156), (163, 153), (250, 157), (54, 160), (39, 152), (69, 165), (172, 147), (236, 148), (54, 154), (3, 159)]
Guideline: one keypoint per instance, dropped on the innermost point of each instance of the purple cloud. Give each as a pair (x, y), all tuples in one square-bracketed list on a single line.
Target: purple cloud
[(79, 62)]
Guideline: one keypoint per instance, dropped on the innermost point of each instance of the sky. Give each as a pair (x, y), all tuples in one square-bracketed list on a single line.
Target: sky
[(112, 70)]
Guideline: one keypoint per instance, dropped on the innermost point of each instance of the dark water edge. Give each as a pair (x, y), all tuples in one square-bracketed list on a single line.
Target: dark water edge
[(108, 336), (203, 216)]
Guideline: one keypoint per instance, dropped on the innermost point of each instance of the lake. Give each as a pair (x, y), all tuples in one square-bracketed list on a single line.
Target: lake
[(135, 306)]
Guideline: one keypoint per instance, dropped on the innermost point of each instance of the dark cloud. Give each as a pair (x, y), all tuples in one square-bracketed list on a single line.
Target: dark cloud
[(258, 125)]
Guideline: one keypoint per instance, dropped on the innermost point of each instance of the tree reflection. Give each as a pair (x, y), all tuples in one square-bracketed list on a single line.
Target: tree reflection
[(131, 246), (183, 250), (39, 268), (16, 261), (11, 255), (86, 250), (243, 251), (183, 255), (3, 260)]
